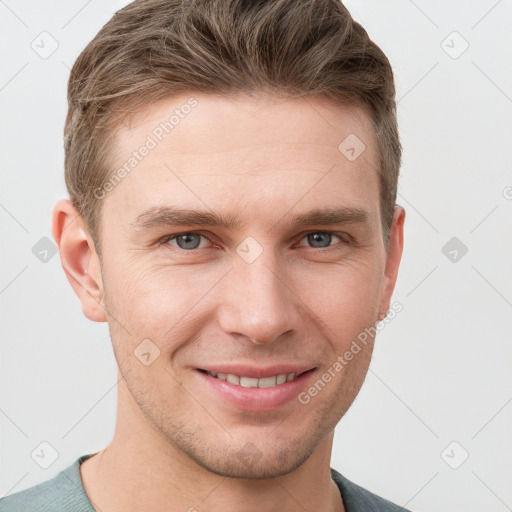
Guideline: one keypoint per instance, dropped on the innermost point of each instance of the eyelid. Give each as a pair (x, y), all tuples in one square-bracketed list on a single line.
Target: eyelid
[(167, 238)]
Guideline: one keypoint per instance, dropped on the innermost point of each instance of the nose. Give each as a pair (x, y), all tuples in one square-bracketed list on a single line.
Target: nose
[(258, 301)]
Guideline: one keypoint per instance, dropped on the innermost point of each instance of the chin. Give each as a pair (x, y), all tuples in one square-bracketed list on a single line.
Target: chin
[(251, 463)]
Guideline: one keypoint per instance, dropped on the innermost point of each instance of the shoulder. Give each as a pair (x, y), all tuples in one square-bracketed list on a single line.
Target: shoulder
[(358, 499), (65, 491)]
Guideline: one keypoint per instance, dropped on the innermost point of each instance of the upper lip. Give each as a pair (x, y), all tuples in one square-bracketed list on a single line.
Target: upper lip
[(256, 372)]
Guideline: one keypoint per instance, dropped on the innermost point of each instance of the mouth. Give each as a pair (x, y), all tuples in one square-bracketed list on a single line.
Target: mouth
[(255, 382), (254, 389)]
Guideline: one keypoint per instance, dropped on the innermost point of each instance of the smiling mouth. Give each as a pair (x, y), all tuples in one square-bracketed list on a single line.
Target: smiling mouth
[(252, 382)]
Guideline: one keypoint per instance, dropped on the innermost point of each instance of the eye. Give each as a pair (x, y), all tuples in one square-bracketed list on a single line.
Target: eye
[(186, 241), (323, 239), (191, 240)]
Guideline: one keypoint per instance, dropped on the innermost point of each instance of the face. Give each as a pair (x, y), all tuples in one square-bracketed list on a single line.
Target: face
[(242, 254)]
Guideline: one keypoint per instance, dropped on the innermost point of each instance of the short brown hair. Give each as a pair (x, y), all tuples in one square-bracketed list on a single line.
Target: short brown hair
[(152, 49)]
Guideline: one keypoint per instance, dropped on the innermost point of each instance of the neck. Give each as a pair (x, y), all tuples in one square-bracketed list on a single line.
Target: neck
[(141, 470)]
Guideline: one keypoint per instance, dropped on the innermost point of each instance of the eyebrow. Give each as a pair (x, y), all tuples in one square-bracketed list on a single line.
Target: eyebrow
[(166, 216)]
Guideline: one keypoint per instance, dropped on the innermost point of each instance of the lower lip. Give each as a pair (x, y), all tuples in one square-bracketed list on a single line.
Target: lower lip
[(256, 399)]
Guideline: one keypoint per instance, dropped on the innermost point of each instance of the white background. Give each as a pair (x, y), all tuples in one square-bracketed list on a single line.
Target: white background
[(441, 370)]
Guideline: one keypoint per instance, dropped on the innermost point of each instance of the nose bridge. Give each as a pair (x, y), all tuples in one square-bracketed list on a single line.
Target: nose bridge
[(258, 302)]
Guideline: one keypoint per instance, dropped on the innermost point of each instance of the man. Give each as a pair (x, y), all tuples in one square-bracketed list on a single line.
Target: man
[(232, 169)]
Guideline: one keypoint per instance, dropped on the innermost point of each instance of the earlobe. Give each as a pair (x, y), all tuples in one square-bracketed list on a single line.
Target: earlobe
[(394, 256), (79, 259)]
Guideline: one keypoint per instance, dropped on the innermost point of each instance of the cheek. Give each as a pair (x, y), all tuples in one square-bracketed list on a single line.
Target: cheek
[(345, 296), (168, 303), (158, 302)]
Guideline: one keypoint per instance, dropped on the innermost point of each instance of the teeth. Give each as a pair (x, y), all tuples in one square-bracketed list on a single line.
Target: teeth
[(267, 382), (251, 382), (234, 379), (248, 382)]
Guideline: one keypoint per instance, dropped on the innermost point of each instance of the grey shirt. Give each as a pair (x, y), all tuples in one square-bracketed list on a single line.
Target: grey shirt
[(65, 493)]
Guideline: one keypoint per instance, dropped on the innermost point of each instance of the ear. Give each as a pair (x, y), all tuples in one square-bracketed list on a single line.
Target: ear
[(79, 259), (394, 255)]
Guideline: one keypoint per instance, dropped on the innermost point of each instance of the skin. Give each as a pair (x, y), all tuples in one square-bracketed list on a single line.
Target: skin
[(177, 445)]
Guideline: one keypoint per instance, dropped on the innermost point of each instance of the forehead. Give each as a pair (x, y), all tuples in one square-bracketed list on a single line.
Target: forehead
[(244, 154)]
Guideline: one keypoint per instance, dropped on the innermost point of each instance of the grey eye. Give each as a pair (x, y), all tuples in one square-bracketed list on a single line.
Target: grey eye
[(188, 241), (320, 239)]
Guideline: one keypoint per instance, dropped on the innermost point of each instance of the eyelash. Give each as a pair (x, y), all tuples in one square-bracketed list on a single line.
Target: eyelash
[(344, 237)]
